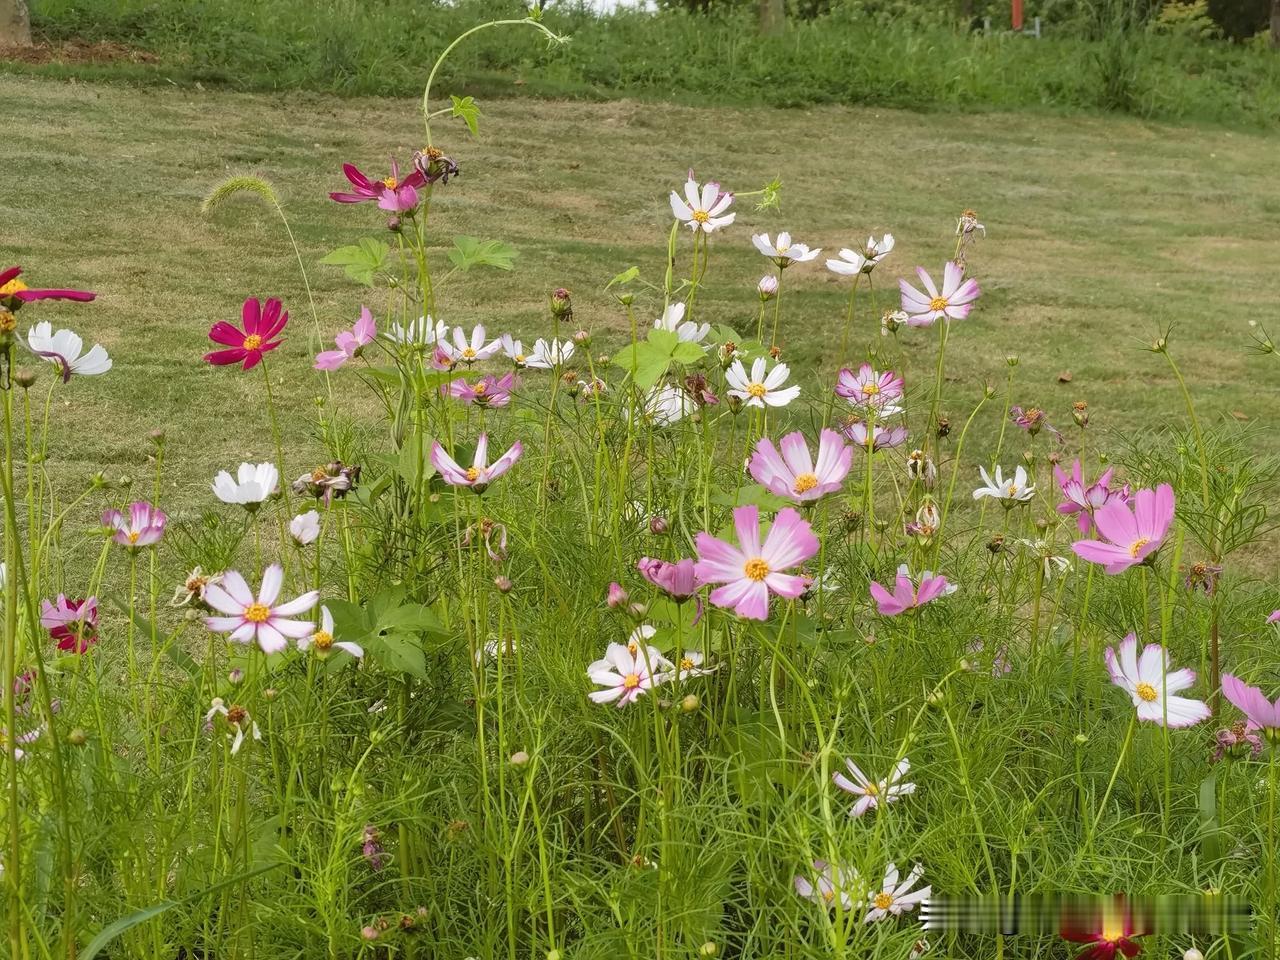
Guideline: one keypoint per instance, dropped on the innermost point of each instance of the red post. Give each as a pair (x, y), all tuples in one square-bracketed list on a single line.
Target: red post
[(1017, 14)]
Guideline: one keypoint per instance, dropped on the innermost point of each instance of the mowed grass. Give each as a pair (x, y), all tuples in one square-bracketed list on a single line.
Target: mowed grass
[(1102, 233)]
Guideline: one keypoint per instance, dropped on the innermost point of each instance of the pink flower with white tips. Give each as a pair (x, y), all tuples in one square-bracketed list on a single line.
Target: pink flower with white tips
[(871, 389), (1084, 500), (248, 618), (792, 472), (1147, 680), (481, 473), (751, 571), (349, 342), (906, 595), (953, 302), (702, 208), (1130, 532), (895, 898), (871, 793), (143, 527)]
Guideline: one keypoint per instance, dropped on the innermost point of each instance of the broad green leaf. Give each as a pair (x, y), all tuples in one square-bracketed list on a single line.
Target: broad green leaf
[(665, 340), (361, 260), (470, 252), (400, 652), (469, 111), (686, 352)]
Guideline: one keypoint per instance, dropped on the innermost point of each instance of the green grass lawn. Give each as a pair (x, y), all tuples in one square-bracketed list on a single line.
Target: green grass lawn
[(1101, 232)]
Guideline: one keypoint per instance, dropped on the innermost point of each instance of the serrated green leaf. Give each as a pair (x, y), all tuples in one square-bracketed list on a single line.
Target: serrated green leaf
[(471, 252), (469, 111)]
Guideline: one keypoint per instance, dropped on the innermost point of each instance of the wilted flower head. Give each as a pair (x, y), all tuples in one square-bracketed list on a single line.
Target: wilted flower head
[(1235, 741), (433, 165), (700, 391), (921, 467), (72, 624), (968, 224), (335, 479), (193, 587), (371, 847), (1033, 420), (237, 718)]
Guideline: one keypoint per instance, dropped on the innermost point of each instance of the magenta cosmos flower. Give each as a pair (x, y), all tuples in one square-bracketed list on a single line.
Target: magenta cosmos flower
[(1147, 680), (1084, 500), (481, 473), (14, 293), (1261, 713), (391, 193), (349, 342), (143, 526), (490, 391), (751, 571), (906, 595), (262, 324), (792, 473), (72, 624), (871, 389), (248, 618), (1129, 536), (953, 302)]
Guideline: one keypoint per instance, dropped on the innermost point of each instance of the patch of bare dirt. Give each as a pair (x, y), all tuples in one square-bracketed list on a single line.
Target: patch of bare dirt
[(76, 51)]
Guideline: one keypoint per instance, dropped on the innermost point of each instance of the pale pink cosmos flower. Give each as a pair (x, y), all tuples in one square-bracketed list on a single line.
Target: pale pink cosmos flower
[(760, 389), (471, 349), (1147, 680), (142, 528), (782, 250), (895, 898), (751, 571), (488, 391), (349, 342), (1260, 712), (871, 389), (878, 438), (481, 473), (1081, 499), (953, 302), (789, 470), (906, 595), (833, 884), (626, 674), (872, 793), (1129, 536), (702, 209), (248, 618)]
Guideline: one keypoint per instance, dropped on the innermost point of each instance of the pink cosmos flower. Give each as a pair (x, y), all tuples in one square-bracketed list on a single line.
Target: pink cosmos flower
[(392, 193), (489, 391), (1084, 500), (262, 324), (751, 571), (1273, 617), (144, 526), (1148, 681), (1261, 713), (953, 302), (72, 624), (792, 472), (248, 618), (880, 438), (906, 595), (481, 473), (677, 579), (870, 793), (1129, 536), (872, 389), (349, 342), (625, 673), (14, 293)]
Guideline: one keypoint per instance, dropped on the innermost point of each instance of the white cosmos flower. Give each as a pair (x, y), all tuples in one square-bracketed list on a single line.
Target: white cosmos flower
[(552, 354), (1151, 684), (871, 793), (421, 332), (471, 349), (1011, 491), (672, 320), (833, 883), (237, 718), (782, 251), (323, 640), (63, 348), (894, 897), (514, 351), (666, 404), (305, 527), (853, 262), (253, 483), (702, 208), (759, 389)]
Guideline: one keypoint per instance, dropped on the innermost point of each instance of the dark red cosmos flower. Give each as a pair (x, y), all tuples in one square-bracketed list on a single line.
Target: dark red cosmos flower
[(14, 293), (262, 324), (1108, 928), (72, 624)]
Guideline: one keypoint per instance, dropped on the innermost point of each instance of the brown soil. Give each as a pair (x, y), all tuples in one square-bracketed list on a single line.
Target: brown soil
[(75, 51)]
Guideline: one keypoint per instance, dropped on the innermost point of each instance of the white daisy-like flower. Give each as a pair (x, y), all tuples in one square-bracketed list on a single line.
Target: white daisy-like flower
[(664, 405), (514, 351), (853, 262), (422, 332), (253, 484), (672, 320), (1011, 491), (782, 251), (305, 528), (63, 348), (702, 208), (895, 898), (553, 353), (761, 389), (831, 883), (871, 793), (1149, 682), (471, 349), (323, 642)]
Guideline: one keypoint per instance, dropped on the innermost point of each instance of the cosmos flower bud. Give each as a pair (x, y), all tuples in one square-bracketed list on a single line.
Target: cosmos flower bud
[(520, 759), (25, 378), (708, 949), (394, 224), (767, 288), (1081, 739), (1192, 954), (658, 525), (554, 954), (582, 338), (77, 737), (270, 694), (690, 704), (503, 583), (561, 304), (1011, 359), (369, 933), (157, 436), (638, 610), (235, 676), (735, 403), (617, 596)]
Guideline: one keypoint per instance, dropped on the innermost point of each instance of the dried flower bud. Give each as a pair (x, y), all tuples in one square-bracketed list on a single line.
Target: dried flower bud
[(25, 378), (775, 352), (520, 759), (503, 583), (1080, 413), (658, 525), (996, 543), (944, 427)]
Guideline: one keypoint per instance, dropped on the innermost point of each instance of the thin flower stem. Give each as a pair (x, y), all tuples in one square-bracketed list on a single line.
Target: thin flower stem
[(1102, 806)]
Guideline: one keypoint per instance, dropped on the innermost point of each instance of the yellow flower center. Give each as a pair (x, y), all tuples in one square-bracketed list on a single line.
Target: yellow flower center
[(870, 389), (631, 681), (756, 389), (468, 353), (322, 640), (804, 482), (8, 322), (520, 358), (252, 342), (389, 182), (257, 613), (472, 474), (938, 303), (686, 663), (756, 569), (883, 901), (480, 389), (828, 895), (132, 536), (871, 790), (1147, 692), (1138, 545), (701, 216), (12, 287)]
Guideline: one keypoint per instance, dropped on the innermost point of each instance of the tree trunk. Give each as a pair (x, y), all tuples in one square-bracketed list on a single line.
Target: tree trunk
[(772, 16), (15, 24), (1275, 24)]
